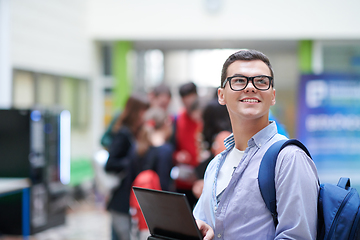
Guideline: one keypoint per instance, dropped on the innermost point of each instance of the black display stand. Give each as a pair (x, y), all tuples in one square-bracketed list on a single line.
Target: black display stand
[(29, 148)]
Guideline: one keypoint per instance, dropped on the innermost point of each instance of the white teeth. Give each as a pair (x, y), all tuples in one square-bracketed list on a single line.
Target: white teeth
[(250, 100)]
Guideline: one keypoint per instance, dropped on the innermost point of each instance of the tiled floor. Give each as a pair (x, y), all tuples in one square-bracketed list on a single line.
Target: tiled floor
[(85, 220)]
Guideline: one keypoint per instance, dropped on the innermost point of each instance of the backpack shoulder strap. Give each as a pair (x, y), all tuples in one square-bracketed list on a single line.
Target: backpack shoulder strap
[(266, 176)]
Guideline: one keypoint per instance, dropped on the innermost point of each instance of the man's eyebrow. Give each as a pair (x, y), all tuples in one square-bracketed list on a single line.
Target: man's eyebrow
[(241, 75), (238, 75)]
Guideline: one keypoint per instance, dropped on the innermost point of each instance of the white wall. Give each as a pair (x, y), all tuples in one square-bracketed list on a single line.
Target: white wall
[(258, 19), (5, 66), (50, 36)]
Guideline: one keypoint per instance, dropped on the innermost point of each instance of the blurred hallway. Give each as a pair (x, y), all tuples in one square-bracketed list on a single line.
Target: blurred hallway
[(85, 220)]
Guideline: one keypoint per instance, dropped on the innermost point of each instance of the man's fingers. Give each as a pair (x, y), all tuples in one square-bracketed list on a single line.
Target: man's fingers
[(205, 230), (209, 234)]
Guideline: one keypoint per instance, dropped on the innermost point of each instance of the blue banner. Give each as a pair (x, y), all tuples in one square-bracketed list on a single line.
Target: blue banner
[(329, 124)]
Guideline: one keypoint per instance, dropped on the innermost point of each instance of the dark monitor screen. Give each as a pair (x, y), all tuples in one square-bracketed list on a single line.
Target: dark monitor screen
[(14, 143)]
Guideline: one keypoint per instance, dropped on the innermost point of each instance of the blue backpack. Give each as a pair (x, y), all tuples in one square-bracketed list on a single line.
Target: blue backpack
[(338, 205)]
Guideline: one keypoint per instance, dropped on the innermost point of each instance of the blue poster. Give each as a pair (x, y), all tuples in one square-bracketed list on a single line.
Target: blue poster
[(329, 124)]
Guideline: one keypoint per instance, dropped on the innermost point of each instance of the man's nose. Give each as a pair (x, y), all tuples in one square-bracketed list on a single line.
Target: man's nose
[(250, 86)]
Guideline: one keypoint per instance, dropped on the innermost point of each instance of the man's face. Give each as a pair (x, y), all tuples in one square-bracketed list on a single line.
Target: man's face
[(162, 101), (189, 100), (250, 103)]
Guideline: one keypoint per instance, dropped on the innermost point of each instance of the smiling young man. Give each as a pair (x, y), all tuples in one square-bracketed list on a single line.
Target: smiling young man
[(231, 206)]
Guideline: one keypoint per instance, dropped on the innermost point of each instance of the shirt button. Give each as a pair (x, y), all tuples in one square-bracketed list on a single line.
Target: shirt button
[(215, 208), (219, 235), (259, 144)]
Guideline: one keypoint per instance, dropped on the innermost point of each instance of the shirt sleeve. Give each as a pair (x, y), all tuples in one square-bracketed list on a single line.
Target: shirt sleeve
[(297, 188), (198, 211), (204, 207)]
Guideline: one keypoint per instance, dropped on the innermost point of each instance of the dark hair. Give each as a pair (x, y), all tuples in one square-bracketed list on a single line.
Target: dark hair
[(247, 55), (161, 89), (187, 89), (216, 119), (134, 104)]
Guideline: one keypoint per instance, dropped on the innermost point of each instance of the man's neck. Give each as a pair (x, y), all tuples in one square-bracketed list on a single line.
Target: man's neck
[(246, 129)]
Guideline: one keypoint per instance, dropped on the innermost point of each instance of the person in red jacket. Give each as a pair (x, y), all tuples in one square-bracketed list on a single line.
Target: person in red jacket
[(188, 128)]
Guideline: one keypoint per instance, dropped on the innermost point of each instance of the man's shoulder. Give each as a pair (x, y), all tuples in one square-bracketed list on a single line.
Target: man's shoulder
[(277, 137), (291, 151), (293, 155), (292, 148)]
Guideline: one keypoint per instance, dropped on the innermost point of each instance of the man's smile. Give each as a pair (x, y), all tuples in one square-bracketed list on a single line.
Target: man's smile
[(250, 100)]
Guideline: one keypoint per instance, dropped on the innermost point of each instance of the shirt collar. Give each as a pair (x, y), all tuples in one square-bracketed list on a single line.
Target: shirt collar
[(229, 142), (259, 139)]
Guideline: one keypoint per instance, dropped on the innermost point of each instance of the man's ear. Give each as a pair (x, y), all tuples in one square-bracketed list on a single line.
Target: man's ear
[(273, 100), (221, 98)]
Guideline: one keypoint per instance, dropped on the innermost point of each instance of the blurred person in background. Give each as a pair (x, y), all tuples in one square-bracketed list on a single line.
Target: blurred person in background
[(160, 129), (126, 154), (216, 119), (159, 96), (187, 135)]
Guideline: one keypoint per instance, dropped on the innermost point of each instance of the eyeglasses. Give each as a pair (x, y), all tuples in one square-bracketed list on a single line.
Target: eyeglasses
[(238, 83)]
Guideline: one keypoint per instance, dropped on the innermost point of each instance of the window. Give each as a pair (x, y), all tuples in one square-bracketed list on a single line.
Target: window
[(23, 89), (49, 91)]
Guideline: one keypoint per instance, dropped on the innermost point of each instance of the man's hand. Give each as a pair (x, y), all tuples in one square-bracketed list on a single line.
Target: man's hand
[(205, 230)]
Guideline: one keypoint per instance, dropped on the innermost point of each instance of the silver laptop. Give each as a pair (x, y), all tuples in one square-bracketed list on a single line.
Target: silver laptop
[(167, 214)]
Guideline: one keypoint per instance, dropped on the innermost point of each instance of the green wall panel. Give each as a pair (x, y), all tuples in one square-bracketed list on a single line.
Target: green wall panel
[(305, 56), (122, 86)]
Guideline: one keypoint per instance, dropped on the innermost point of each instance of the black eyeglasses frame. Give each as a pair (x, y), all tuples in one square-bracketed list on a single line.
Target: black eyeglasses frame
[(228, 79)]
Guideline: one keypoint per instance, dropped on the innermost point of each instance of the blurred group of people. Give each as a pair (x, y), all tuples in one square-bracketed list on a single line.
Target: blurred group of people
[(145, 136)]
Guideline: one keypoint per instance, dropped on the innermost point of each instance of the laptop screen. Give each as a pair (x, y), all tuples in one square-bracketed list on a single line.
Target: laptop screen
[(167, 214)]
